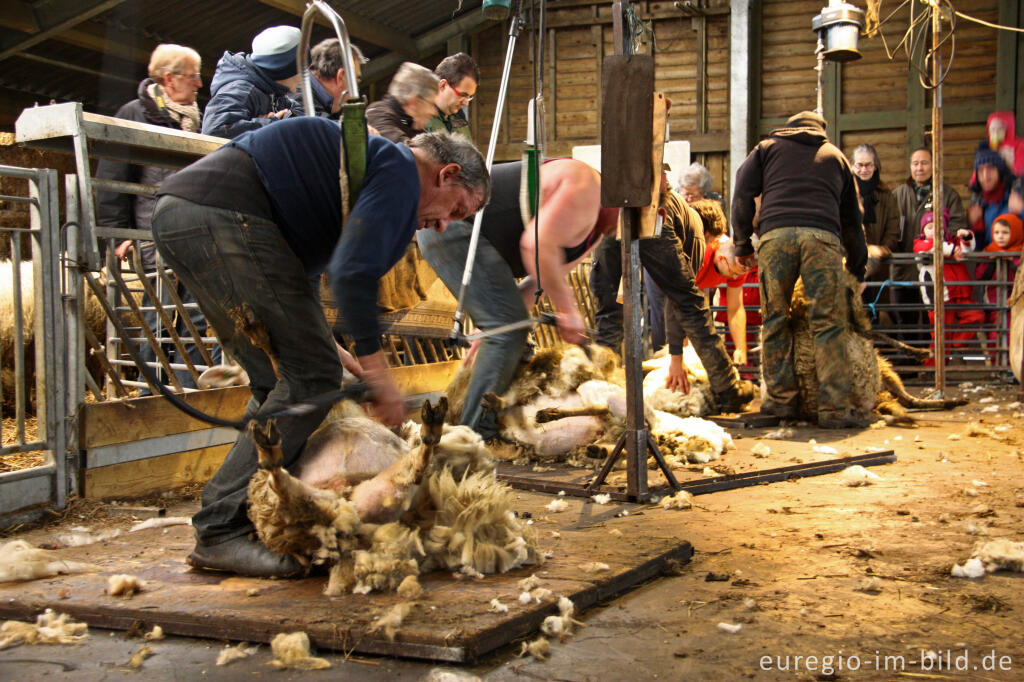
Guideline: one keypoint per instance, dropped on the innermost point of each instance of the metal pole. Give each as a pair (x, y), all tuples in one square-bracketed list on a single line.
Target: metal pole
[(938, 294), (302, 60), (467, 273)]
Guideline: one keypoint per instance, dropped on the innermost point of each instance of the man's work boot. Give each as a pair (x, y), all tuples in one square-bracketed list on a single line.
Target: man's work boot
[(843, 421), (244, 555), (736, 398)]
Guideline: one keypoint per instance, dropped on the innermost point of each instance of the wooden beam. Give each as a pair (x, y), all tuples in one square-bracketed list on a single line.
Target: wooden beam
[(153, 475), (20, 17), (96, 39), (115, 422), (60, 27), (468, 24), (74, 67), (358, 27), (1006, 54)]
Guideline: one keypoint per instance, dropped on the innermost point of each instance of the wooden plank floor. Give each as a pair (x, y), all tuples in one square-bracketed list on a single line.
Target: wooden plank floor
[(451, 622)]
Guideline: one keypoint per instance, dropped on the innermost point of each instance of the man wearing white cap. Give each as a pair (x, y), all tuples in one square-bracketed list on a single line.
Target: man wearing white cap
[(250, 91)]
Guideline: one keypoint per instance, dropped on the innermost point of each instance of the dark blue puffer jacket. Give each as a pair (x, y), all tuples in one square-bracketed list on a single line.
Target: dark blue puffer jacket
[(242, 96)]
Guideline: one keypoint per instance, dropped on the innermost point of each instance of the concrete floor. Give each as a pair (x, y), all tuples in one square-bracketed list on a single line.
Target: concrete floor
[(788, 561)]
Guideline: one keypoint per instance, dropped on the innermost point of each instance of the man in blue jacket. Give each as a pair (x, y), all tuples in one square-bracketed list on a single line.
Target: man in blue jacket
[(246, 229), (251, 91)]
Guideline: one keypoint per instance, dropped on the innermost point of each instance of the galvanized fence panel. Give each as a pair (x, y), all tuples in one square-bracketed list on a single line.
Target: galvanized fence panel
[(26, 492)]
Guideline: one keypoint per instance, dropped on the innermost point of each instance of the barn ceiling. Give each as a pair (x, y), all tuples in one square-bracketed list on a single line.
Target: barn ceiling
[(96, 51)]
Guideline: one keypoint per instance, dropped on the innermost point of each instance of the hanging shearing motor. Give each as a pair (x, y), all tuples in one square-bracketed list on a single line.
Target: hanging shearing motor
[(838, 28)]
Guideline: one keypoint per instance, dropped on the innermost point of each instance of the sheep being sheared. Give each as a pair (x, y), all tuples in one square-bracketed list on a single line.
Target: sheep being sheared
[(436, 496), (697, 403), (877, 389), (570, 403)]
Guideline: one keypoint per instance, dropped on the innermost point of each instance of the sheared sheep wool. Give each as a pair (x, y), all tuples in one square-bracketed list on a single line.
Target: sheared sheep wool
[(539, 648), (50, 628), (689, 439), (857, 475), (697, 403), (1001, 555), (391, 620), (21, 561), (291, 650), (677, 500), (229, 655), (124, 585)]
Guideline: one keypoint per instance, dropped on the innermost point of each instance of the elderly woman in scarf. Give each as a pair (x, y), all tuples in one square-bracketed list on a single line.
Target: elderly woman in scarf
[(166, 98), (881, 213)]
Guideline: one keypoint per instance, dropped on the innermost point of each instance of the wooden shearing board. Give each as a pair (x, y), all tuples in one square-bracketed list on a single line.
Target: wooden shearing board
[(451, 622)]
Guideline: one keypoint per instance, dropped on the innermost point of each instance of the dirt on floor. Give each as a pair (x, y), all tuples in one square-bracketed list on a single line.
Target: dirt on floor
[(804, 579)]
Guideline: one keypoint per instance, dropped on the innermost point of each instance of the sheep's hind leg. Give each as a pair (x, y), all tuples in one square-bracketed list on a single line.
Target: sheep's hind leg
[(433, 422), (550, 414)]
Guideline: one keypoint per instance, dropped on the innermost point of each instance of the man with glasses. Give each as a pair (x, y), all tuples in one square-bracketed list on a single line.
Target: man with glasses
[(459, 76)]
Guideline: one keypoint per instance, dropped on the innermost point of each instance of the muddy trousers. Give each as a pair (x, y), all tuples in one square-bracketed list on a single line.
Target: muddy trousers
[(686, 306), (492, 299), (783, 255), (233, 262)]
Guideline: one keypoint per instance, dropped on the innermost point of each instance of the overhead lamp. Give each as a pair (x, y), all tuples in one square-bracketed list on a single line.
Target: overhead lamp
[(497, 10), (838, 27)]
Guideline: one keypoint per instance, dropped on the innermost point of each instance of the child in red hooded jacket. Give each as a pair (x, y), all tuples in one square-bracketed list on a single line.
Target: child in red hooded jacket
[(1007, 235), (953, 270)]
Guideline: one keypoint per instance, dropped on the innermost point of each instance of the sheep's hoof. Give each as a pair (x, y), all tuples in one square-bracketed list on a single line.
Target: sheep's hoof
[(433, 419), (597, 452), (268, 442), (548, 414), (493, 401)]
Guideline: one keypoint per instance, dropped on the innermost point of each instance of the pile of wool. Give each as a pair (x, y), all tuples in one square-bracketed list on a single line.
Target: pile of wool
[(1000, 555), (696, 403), (856, 475), (456, 524), (680, 499), (124, 585), (49, 628), (391, 620), (689, 439), (21, 561), (291, 650), (230, 654), (561, 625)]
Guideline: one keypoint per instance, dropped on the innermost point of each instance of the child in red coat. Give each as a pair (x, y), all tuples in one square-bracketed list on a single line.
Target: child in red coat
[(953, 271), (1007, 235)]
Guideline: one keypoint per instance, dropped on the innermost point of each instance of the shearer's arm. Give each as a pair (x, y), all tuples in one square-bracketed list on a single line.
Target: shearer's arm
[(570, 200)]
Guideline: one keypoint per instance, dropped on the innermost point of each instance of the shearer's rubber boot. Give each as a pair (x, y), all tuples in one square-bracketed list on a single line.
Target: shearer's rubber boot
[(736, 399), (244, 555)]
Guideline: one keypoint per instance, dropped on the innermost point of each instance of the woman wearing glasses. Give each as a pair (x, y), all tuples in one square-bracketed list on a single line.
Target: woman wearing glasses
[(881, 213)]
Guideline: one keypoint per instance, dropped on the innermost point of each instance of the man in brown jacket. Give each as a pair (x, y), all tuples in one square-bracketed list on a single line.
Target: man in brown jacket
[(914, 199)]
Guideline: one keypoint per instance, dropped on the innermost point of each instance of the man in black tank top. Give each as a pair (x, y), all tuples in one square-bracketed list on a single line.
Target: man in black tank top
[(571, 224)]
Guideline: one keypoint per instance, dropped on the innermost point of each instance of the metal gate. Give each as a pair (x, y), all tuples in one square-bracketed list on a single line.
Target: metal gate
[(26, 492)]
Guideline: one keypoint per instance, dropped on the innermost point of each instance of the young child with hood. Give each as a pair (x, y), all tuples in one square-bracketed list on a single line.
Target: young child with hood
[(953, 270), (1007, 235)]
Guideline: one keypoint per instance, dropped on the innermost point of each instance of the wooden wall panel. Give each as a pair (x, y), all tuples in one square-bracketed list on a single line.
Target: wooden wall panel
[(972, 80), (961, 141), (788, 78), (874, 82)]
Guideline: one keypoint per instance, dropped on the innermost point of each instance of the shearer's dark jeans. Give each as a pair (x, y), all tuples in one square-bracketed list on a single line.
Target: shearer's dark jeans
[(492, 299), (227, 259)]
